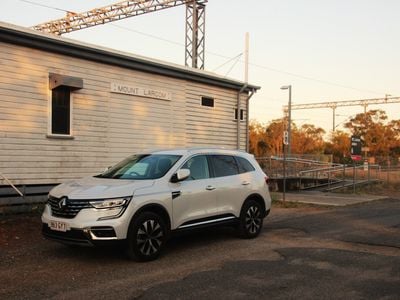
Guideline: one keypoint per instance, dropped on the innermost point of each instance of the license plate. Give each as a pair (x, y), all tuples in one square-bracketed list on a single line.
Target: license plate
[(58, 226)]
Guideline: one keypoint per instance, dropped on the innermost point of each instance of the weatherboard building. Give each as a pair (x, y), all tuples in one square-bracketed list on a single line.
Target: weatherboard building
[(70, 109)]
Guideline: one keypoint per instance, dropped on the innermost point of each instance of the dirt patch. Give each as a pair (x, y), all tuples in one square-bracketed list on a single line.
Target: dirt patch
[(17, 231)]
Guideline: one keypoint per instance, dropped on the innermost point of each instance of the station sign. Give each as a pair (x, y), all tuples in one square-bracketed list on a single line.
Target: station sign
[(355, 149), (132, 90), (356, 157), (286, 137)]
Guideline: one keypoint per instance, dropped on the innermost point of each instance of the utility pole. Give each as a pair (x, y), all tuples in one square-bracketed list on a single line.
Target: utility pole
[(246, 58), (195, 34), (289, 146), (333, 119)]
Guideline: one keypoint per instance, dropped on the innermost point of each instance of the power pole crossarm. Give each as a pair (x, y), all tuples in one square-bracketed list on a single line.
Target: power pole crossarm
[(335, 104), (195, 22), (107, 14)]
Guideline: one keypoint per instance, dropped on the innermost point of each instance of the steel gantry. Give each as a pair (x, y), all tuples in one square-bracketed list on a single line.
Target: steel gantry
[(195, 34), (195, 22), (334, 104)]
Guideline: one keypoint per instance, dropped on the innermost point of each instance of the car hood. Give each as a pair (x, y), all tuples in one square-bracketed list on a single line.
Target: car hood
[(99, 188)]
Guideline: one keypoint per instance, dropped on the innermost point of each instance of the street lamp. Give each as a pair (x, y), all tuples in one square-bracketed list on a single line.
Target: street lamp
[(289, 87)]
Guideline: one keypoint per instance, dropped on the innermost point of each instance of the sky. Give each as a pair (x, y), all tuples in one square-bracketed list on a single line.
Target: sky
[(329, 50)]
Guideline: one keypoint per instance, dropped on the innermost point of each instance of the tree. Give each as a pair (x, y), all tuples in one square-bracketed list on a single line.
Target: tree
[(339, 147), (268, 140), (257, 139), (381, 137), (395, 147), (274, 136), (308, 139)]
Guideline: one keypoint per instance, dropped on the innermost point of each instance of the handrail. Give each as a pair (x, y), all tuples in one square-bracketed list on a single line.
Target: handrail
[(338, 168), (301, 160), (13, 186)]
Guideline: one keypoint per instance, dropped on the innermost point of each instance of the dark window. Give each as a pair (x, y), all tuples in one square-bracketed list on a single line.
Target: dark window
[(207, 101), (198, 166), (146, 166), (244, 165), (60, 110), (224, 165), (241, 114)]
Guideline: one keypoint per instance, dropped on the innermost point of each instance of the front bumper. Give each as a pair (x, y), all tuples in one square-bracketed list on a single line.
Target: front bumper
[(85, 228), (82, 237)]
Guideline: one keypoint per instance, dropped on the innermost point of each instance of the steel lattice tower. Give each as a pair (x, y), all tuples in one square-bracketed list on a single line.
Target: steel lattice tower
[(195, 22)]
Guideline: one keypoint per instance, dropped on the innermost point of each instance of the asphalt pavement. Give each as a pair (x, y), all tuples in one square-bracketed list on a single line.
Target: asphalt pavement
[(301, 274), (346, 253), (304, 252)]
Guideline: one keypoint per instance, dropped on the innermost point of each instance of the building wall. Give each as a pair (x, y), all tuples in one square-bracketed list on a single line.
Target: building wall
[(106, 127)]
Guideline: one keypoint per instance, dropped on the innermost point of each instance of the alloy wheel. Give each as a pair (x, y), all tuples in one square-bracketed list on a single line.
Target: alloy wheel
[(149, 237), (253, 219)]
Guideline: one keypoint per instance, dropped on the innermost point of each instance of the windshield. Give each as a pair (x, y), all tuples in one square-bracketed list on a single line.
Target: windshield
[(146, 166)]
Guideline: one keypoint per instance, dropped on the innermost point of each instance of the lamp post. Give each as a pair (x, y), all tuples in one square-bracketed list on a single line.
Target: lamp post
[(289, 87)]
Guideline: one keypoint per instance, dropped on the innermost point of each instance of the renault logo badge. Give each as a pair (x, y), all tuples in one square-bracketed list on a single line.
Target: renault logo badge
[(62, 204)]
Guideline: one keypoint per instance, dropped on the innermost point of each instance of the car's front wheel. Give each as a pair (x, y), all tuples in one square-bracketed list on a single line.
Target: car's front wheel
[(251, 219), (146, 237)]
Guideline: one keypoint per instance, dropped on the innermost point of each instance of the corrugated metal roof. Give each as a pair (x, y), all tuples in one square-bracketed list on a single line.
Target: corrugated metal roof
[(27, 37)]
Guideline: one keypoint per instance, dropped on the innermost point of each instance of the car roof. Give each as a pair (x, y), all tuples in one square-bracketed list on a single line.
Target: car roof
[(198, 150)]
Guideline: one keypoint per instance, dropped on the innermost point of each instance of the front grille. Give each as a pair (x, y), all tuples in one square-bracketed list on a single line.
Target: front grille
[(66, 208)]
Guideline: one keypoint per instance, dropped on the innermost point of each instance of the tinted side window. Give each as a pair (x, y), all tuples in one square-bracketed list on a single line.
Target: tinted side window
[(224, 165), (198, 166), (244, 165)]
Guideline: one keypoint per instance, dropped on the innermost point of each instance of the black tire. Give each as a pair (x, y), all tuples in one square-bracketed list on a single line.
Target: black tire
[(251, 220), (146, 237)]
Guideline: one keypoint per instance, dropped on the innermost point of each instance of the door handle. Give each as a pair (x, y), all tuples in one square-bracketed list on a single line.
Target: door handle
[(245, 183), (210, 188)]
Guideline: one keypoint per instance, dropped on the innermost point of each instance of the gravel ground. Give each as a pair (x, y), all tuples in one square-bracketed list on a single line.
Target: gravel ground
[(303, 252)]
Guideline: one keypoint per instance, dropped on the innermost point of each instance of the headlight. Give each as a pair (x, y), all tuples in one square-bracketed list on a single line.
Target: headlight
[(110, 203)]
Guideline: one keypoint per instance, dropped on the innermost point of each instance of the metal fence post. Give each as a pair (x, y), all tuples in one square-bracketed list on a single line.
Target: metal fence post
[(344, 174), (329, 179), (284, 173), (354, 177), (369, 174)]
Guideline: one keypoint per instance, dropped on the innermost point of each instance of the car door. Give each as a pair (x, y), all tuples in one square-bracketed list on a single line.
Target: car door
[(231, 186), (194, 199)]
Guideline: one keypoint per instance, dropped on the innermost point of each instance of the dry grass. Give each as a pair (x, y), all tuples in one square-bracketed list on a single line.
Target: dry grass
[(390, 177), (384, 188)]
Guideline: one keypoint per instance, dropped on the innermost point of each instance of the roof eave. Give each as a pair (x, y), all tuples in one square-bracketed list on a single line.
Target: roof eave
[(45, 42)]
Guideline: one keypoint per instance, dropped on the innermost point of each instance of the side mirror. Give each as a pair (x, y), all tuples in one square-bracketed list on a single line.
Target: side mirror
[(181, 175)]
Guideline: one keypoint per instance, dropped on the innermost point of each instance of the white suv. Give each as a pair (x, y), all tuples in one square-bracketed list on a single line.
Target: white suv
[(146, 197)]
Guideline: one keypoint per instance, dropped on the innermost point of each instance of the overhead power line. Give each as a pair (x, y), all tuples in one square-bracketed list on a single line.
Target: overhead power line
[(335, 104), (271, 69), (110, 13), (43, 5), (194, 29), (227, 62)]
